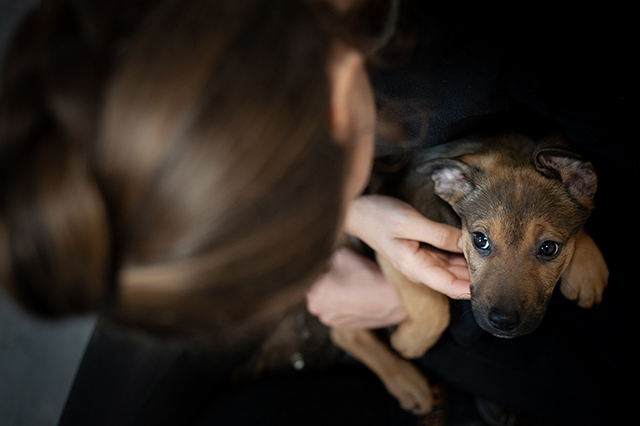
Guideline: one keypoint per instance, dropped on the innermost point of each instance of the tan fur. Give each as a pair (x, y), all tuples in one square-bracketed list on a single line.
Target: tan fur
[(519, 207), (586, 276), (400, 377), (427, 313), (428, 317)]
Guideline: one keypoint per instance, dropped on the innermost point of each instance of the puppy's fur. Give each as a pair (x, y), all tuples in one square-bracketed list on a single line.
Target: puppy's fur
[(521, 205)]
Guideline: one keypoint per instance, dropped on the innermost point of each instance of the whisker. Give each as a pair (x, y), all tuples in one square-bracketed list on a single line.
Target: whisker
[(460, 299), (468, 311)]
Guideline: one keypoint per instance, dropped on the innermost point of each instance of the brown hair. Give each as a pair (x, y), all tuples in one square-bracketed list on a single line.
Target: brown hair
[(169, 166)]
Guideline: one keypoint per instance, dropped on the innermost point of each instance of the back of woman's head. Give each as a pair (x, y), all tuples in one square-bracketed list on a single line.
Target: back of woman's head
[(167, 163)]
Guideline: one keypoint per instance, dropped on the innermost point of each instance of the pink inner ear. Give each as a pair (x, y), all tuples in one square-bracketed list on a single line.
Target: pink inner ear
[(450, 180), (558, 162), (574, 174)]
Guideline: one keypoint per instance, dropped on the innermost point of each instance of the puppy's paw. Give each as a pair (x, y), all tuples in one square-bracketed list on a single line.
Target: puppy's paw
[(585, 289), (410, 388), (587, 275)]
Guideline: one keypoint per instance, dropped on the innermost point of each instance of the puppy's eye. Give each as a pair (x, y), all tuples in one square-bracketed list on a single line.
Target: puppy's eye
[(481, 241), (548, 249)]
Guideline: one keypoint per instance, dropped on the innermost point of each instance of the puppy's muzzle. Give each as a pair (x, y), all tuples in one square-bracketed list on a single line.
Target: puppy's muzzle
[(507, 322)]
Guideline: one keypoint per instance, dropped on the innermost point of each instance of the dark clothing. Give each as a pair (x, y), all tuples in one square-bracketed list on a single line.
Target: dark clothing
[(539, 70), (569, 69)]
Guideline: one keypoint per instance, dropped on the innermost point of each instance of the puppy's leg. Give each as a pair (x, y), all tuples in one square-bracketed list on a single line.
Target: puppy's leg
[(401, 378), (427, 313), (586, 276)]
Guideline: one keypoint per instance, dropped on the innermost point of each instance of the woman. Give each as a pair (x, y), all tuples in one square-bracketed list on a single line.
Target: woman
[(183, 166), (162, 161)]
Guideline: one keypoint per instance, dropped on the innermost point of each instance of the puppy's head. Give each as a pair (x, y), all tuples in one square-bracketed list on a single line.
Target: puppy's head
[(519, 222)]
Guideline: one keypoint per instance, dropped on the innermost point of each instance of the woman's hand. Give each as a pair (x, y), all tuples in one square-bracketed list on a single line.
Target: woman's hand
[(354, 294), (395, 230)]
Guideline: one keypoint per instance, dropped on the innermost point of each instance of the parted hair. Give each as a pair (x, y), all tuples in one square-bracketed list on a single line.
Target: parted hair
[(168, 163)]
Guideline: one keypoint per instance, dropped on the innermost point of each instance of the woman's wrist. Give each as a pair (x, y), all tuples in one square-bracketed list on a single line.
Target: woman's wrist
[(353, 218)]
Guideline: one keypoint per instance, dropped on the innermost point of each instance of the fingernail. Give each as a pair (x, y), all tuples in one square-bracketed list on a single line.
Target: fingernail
[(460, 243)]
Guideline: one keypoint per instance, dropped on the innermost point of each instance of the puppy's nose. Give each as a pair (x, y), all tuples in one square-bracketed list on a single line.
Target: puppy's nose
[(504, 320)]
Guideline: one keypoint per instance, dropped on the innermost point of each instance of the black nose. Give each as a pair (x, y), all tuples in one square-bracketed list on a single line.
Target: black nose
[(504, 320)]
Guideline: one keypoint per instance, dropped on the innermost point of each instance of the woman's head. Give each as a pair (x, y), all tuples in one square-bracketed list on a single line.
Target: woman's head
[(189, 160)]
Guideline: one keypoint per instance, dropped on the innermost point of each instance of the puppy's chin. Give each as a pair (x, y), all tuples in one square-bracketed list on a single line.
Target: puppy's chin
[(500, 334)]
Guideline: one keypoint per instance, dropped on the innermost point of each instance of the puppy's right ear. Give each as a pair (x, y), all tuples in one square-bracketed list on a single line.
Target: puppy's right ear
[(453, 179)]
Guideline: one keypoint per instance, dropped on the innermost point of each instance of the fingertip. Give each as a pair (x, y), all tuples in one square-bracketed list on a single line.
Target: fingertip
[(452, 239), (452, 242), (463, 289)]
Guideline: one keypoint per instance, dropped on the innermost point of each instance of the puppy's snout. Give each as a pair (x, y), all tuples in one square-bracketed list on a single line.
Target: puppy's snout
[(505, 320)]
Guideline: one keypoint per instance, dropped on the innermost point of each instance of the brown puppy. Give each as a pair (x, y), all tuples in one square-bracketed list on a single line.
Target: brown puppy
[(521, 205)]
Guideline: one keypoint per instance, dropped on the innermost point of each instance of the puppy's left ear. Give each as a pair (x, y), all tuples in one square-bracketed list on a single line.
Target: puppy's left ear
[(575, 172), (453, 179)]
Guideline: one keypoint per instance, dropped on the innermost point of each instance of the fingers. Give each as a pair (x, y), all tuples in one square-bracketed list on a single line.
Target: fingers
[(354, 294), (440, 235), (446, 274), (401, 221), (444, 280), (458, 260)]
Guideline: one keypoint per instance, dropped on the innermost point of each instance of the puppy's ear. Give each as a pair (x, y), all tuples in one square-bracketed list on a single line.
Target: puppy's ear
[(453, 179), (575, 172)]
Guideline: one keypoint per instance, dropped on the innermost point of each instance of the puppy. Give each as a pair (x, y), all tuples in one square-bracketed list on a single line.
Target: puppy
[(521, 205)]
